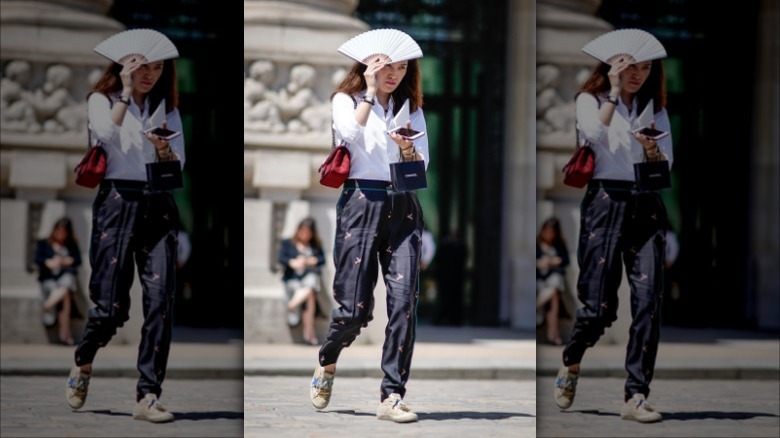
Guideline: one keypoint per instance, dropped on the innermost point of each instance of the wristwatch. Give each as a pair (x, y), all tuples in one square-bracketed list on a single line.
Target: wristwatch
[(613, 101), (367, 100), (124, 100)]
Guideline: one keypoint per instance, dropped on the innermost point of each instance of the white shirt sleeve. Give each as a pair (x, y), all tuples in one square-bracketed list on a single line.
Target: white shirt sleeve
[(173, 122), (588, 120), (100, 123), (421, 144), (665, 144), (344, 123)]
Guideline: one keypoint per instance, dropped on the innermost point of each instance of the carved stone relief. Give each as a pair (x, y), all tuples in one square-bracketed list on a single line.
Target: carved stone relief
[(289, 98), (53, 104)]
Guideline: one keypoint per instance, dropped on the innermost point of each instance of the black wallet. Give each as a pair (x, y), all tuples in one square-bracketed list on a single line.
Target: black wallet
[(408, 176), (652, 176), (164, 175)]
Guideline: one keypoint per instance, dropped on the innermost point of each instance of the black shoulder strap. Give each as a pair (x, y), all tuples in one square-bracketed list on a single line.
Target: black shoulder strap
[(89, 131), (333, 131)]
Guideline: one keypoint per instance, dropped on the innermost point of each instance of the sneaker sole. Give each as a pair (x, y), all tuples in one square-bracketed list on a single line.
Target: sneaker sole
[(153, 420), (641, 420), (397, 420)]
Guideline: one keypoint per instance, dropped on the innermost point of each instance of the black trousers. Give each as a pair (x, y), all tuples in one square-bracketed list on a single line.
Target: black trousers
[(375, 226), (129, 222), (617, 222)]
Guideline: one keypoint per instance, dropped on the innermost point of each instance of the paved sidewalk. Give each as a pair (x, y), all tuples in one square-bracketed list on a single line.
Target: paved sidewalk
[(280, 407), (439, 353), (684, 354), (691, 408), (36, 407)]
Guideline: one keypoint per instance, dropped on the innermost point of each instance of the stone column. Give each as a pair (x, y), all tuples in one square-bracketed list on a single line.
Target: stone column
[(765, 191), (48, 65), (291, 67), (518, 269)]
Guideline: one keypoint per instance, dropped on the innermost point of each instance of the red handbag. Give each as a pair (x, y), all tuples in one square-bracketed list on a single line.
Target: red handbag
[(92, 168), (579, 170), (335, 170)]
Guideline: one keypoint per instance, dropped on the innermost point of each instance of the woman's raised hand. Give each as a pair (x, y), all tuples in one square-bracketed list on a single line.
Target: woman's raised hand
[(614, 73), (127, 74), (374, 66)]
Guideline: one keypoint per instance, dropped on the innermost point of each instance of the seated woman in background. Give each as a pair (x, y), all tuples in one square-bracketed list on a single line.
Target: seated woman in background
[(302, 257), (552, 258), (58, 258)]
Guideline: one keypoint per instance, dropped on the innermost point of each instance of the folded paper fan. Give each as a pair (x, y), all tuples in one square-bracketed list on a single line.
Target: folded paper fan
[(635, 43), (148, 43), (392, 43)]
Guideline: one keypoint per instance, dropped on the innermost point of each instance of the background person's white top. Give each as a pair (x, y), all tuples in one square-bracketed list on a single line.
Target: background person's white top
[(127, 147), (615, 148), (372, 150)]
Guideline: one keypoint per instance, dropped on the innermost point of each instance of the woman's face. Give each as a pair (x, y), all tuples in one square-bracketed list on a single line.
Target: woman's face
[(304, 234), (147, 76), (548, 234), (634, 76), (59, 234), (390, 76)]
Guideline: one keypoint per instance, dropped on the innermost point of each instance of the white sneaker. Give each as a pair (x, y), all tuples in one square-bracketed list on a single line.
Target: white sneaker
[(76, 390), (394, 409), (150, 409), (321, 388), (565, 387), (637, 409)]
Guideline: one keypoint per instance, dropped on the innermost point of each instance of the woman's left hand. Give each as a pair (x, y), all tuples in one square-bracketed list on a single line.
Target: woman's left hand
[(650, 146), (406, 145), (161, 145)]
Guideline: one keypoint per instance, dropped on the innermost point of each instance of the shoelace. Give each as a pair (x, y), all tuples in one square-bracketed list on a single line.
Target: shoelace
[(643, 403), (78, 384), (399, 404), (156, 404), (321, 384)]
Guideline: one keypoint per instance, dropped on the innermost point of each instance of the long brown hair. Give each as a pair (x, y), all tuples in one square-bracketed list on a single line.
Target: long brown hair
[(653, 88), (555, 224), (165, 88), (309, 223), (409, 88), (66, 224)]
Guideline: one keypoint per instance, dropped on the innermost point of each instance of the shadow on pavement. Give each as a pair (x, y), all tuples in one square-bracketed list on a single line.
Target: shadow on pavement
[(470, 415), (443, 416), (218, 415), (684, 416), (714, 415), (193, 416)]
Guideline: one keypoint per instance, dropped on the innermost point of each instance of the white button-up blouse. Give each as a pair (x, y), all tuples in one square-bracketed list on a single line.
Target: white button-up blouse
[(126, 146), (615, 148), (371, 148)]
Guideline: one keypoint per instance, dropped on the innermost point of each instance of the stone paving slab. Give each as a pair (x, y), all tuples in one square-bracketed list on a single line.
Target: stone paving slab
[(36, 407), (280, 407), (691, 408)]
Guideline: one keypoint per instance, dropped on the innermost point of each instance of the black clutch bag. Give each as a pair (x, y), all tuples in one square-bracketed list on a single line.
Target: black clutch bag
[(408, 176), (652, 176), (164, 175)]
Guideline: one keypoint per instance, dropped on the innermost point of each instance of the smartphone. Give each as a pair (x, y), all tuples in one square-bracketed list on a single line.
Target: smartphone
[(411, 134), (163, 133), (651, 133)]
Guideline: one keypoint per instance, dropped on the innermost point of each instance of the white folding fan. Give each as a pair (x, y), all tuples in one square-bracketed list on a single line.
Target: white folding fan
[(148, 43), (392, 43), (636, 43)]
